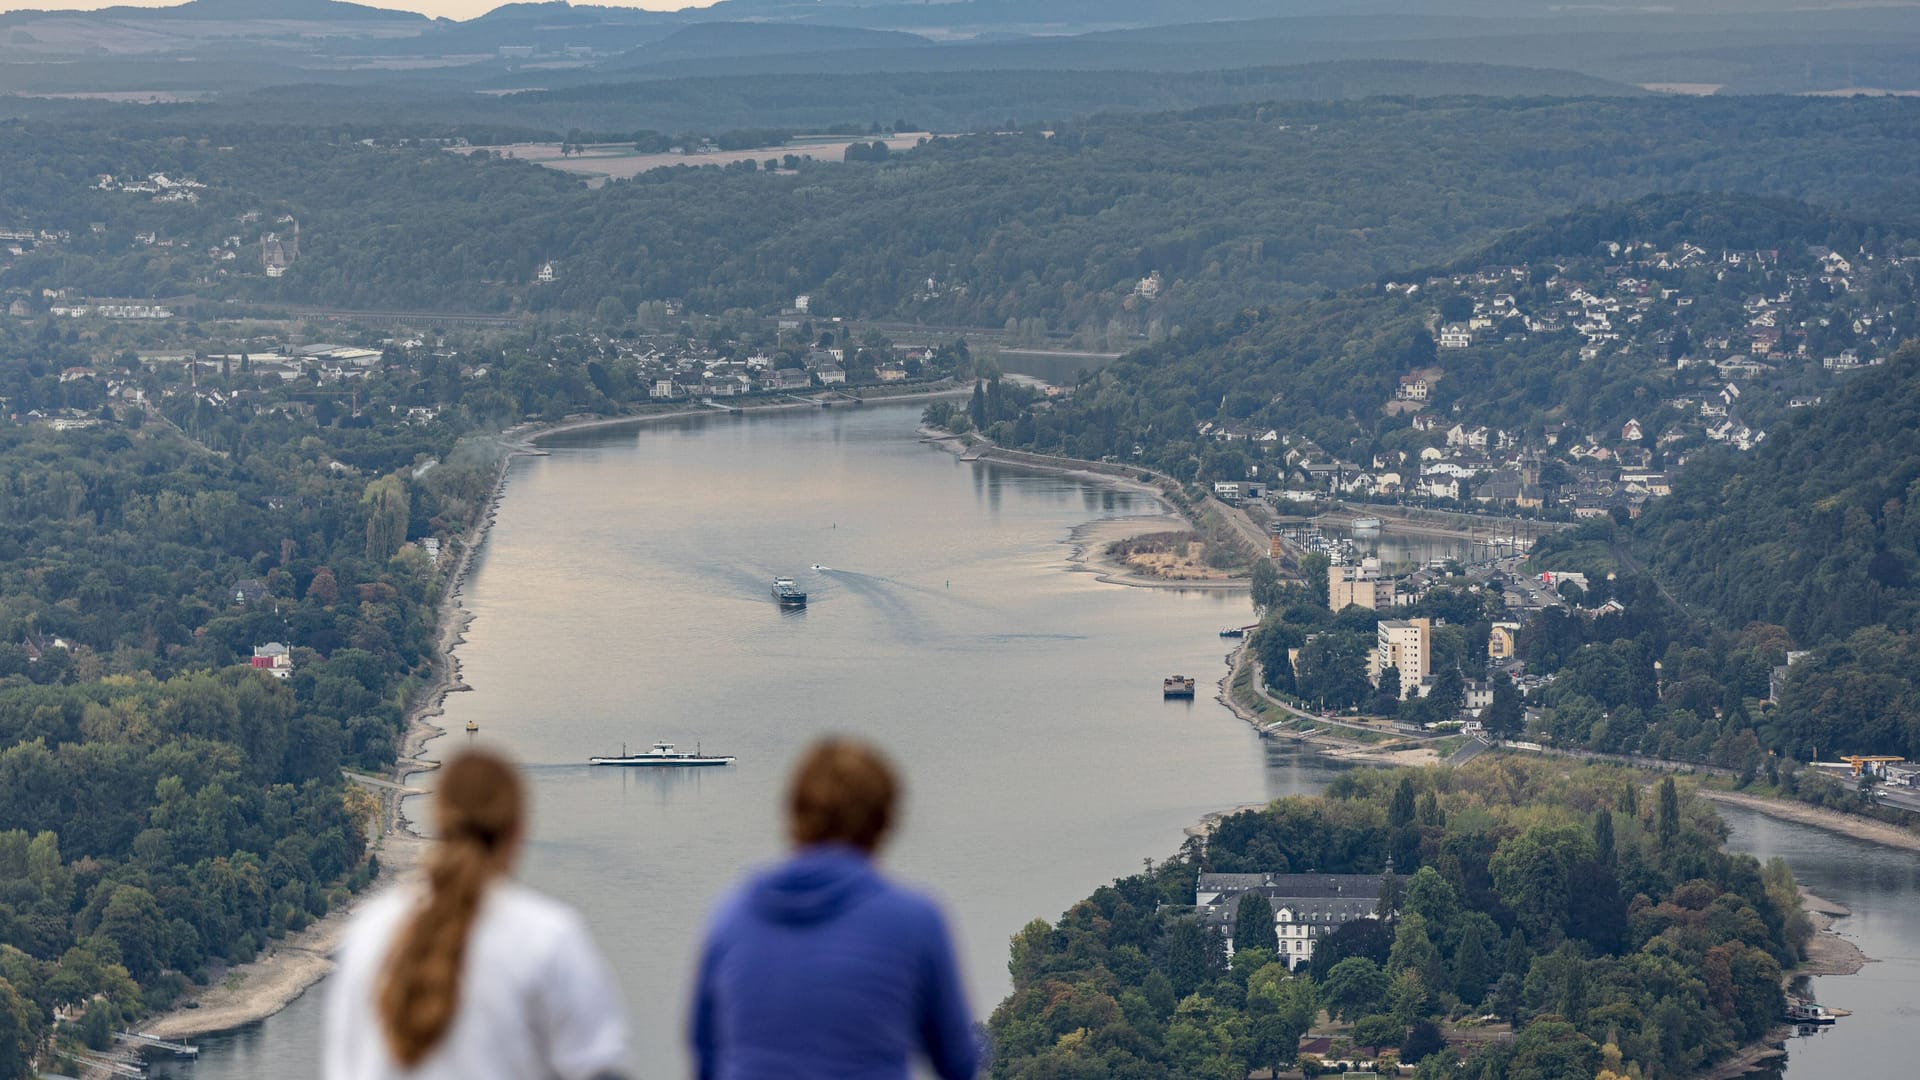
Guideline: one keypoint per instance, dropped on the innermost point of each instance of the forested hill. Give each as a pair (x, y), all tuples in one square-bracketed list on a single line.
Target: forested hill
[(1817, 529), (1229, 207), (1715, 221)]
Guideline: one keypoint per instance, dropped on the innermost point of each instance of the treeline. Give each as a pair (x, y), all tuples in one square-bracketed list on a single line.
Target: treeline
[(1232, 207), (911, 98), (1603, 920)]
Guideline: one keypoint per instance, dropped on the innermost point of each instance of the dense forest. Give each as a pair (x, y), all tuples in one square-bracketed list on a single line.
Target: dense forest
[(1602, 921), (1231, 207), (166, 808), (1810, 535)]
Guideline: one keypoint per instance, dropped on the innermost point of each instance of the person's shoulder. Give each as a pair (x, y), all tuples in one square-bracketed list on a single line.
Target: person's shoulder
[(910, 904)]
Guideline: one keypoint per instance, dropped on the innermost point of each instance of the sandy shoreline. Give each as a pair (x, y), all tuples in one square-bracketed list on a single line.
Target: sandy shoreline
[(1873, 832), (1091, 540)]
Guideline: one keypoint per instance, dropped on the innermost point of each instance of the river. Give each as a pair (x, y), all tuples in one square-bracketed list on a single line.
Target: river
[(622, 598)]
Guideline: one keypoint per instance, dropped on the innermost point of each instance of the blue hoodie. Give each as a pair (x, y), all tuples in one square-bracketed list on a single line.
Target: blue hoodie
[(821, 968)]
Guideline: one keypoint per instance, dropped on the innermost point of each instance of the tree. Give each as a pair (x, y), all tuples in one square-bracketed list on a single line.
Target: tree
[(1423, 1040), (1505, 716), (1449, 694), (1472, 967), (1534, 872), (1378, 1031), (1194, 956), (1371, 939), (1400, 813), (388, 509), (1355, 987), (1280, 1010), (1314, 568), (132, 921), (19, 1033), (1669, 817), (1253, 925), (1267, 588), (1603, 836), (323, 589), (1271, 649), (1414, 951), (1386, 697)]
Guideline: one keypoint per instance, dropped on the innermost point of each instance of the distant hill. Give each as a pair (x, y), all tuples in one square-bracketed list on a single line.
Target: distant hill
[(731, 39), (304, 10)]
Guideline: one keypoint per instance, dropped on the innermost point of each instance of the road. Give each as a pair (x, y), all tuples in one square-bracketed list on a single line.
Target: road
[(1260, 687)]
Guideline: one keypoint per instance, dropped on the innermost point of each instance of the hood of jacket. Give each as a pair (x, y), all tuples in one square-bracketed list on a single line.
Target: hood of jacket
[(817, 884)]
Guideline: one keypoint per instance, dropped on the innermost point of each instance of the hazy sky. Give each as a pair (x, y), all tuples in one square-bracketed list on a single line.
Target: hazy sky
[(453, 9)]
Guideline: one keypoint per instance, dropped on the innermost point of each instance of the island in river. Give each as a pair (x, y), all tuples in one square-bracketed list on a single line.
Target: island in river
[(1535, 920)]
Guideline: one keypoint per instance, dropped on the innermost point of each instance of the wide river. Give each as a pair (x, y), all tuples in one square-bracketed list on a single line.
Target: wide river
[(622, 598)]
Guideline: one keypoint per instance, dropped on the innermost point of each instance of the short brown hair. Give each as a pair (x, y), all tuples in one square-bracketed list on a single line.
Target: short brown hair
[(843, 792)]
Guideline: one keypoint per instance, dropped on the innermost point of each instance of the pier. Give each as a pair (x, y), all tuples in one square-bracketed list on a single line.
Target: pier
[(139, 1038)]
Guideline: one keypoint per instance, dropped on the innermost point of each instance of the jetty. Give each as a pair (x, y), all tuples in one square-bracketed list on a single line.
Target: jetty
[(141, 1038)]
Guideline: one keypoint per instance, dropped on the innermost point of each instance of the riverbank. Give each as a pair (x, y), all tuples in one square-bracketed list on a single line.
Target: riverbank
[(249, 993), (1092, 541), (1873, 832)]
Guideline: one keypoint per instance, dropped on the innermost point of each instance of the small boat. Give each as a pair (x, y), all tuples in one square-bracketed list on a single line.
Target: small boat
[(473, 726), (1367, 524), (1176, 686), (663, 755), (787, 594), (1234, 631), (1808, 1012)]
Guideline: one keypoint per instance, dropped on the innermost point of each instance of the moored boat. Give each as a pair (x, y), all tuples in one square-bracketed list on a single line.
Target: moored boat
[(1808, 1012), (663, 755)]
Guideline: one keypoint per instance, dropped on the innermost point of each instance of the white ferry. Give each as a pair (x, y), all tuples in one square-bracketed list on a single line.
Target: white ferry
[(662, 755)]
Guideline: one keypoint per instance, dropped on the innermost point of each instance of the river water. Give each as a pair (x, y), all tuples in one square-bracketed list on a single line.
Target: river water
[(623, 598)]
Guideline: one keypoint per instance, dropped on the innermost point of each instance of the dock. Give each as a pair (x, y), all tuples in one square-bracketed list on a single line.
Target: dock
[(141, 1038), (115, 1064)]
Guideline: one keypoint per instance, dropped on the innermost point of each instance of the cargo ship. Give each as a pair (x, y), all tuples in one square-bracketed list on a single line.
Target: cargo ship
[(662, 755), (1176, 686), (787, 594)]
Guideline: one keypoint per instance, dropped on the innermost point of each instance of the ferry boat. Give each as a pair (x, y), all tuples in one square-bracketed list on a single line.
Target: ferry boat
[(662, 755), (787, 594), (1176, 686)]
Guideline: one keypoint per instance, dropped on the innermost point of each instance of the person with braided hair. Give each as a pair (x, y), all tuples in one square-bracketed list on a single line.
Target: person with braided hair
[(472, 975)]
